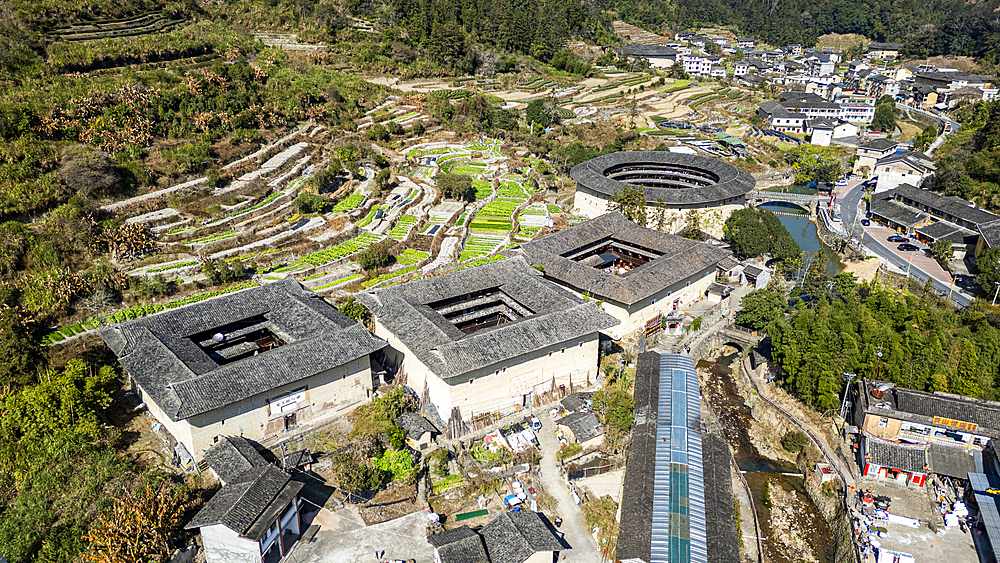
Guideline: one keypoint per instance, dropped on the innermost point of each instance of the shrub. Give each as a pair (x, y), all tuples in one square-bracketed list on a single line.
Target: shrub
[(794, 441), (374, 257), (309, 203)]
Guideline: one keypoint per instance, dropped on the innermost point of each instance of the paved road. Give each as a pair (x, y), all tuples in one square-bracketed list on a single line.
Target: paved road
[(852, 211), (577, 534)]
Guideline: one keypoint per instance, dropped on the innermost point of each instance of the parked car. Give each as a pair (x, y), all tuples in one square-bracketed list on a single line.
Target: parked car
[(897, 238), (905, 247), (842, 182), (866, 222)]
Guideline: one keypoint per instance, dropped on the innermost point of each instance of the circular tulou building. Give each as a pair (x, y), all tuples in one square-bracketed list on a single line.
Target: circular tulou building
[(678, 183)]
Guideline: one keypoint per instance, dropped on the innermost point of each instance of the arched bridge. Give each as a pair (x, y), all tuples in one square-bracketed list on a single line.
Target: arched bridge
[(805, 202)]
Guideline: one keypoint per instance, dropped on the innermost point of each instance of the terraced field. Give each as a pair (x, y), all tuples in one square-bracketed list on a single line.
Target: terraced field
[(495, 217), (479, 245), (402, 227), (346, 248), (348, 203)]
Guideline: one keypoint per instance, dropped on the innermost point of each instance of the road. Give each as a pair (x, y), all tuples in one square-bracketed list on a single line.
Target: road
[(577, 534), (852, 214)]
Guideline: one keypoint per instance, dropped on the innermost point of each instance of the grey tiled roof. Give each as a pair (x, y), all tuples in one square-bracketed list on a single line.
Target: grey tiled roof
[(955, 407), (945, 230), (731, 181), (184, 380), (879, 145), (936, 202), (576, 401), (232, 456), (990, 233), (583, 425), (952, 461), (896, 212), (884, 46), (250, 504), (513, 537), (774, 109), (681, 259), (557, 317), (459, 545), (415, 425), (907, 458), (910, 159), (650, 51)]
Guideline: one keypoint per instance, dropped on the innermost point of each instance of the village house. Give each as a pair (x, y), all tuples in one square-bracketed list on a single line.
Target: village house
[(259, 363), (930, 217), (254, 518), (781, 118), (638, 274), (883, 51), (745, 43), (511, 537), (871, 152), (419, 431), (659, 56), (487, 339), (911, 167)]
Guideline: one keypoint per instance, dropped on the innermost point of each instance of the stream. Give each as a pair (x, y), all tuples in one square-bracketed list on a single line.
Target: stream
[(735, 418)]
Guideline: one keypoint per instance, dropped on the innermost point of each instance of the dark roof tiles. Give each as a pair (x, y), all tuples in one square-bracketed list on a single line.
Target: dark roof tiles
[(459, 545), (681, 258), (183, 380), (246, 506), (232, 456), (558, 317), (415, 425), (731, 181), (513, 537), (583, 425)]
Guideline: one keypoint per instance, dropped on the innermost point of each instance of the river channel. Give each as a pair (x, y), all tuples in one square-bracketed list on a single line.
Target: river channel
[(801, 516), (803, 230)]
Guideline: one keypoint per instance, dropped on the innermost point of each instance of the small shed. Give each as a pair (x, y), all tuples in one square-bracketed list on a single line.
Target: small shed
[(419, 431), (584, 428)]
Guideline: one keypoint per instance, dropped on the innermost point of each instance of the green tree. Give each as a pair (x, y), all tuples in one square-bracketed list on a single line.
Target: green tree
[(456, 186), (21, 356), (374, 257), (988, 265), (760, 308), (942, 252), (794, 441), (614, 407), (447, 43), (353, 309), (885, 118), (630, 202), (746, 233), (307, 203)]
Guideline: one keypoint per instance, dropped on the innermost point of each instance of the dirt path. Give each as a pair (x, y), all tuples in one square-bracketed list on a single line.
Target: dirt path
[(577, 534)]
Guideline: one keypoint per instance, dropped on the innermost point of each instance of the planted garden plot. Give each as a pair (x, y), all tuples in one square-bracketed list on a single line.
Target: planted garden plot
[(388, 276), (411, 256), (338, 282), (478, 245), (215, 237), (483, 189), (371, 215), (348, 203), (402, 226), (346, 248), (469, 168), (512, 189)]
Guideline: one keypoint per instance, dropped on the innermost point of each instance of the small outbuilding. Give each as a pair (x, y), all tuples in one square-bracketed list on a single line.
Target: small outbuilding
[(419, 431), (583, 427)]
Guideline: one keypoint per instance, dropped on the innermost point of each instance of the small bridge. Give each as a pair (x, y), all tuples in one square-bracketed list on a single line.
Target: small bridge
[(735, 336), (805, 202)]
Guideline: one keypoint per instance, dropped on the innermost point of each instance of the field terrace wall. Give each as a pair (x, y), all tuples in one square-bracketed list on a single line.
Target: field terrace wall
[(677, 273), (256, 363), (487, 339)]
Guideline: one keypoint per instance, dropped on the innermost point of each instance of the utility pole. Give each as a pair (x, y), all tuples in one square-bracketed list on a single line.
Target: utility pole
[(995, 294), (843, 405), (878, 358)]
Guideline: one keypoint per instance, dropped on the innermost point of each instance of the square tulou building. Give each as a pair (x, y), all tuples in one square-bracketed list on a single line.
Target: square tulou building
[(487, 339), (257, 363)]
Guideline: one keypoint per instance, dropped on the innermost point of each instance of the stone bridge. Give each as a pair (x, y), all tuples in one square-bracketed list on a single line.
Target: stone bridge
[(731, 335), (808, 203)]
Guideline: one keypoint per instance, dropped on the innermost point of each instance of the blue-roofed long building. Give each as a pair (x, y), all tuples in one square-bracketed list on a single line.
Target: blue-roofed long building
[(664, 479)]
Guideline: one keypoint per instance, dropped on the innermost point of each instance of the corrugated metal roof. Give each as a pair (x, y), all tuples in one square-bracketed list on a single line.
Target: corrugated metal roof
[(988, 509), (679, 532)]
